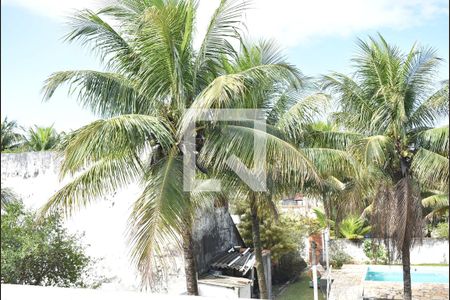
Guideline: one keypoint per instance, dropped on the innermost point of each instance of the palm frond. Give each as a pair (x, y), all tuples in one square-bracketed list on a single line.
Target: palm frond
[(99, 180), (130, 134), (304, 112), (431, 169), (341, 140), (159, 215), (332, 162), (431, 109), (283, 160), (223, 27), (372, 150), (434, 139), (92, 30), (106, 94)]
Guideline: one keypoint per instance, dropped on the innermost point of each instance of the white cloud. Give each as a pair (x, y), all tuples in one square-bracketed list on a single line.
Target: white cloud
[(292, 21)]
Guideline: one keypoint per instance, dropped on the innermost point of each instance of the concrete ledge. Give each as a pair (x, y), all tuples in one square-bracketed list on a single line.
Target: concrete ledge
[(27, 292)]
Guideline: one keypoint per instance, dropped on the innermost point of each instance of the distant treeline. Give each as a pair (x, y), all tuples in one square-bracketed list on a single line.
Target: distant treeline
[(16, 138)]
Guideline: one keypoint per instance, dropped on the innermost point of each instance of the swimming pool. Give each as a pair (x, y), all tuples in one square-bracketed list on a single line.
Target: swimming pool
[(418, 274)]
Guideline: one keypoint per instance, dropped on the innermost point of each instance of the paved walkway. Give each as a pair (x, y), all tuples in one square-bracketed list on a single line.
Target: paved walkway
[(347, 282)]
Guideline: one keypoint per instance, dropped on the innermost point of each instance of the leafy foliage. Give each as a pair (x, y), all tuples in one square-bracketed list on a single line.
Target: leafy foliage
[(441, 230), (338, 257), (41, 139), (7, 196), (281, 236), (353, 228), (43, 253), (324, 222), (11, 137), (376, 252)]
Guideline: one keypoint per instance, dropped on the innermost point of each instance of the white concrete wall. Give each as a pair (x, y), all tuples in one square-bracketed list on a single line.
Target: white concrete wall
[(208, 290), (34, 178), (432, 251)]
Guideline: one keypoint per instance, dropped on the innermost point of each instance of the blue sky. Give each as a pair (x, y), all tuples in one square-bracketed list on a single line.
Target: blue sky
[(318, 36)]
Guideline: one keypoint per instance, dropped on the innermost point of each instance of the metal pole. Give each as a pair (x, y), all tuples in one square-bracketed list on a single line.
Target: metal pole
[(327, 259), (314, 270)]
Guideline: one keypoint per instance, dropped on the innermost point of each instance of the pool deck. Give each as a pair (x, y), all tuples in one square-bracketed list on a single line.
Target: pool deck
[(349, 284)]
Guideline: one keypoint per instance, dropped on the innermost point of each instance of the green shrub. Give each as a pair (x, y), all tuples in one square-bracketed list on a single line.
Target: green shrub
[(42, 253), (338, 257), (441, 230), (376, 252), (353, 228), (281, 236)]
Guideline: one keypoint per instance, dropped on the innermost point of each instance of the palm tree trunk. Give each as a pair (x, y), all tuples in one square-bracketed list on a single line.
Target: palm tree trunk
[(263, 294), (190, 267), (407, 293)]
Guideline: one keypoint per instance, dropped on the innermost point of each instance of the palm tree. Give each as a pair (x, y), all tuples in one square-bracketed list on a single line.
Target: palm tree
[(11, 138), (153, 74), (287, 109), (389, 103), (41, 138)]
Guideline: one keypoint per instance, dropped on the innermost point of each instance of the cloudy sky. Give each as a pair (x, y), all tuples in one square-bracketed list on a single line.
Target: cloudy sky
[(318, 36)]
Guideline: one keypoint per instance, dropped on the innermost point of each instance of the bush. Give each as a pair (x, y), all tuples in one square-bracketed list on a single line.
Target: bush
[(376, 252), (441, 230), (281, 236), (42, 253), (338, 257), (353, 228)]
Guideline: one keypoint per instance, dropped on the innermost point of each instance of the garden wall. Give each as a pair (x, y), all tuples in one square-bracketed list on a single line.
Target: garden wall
[(432, 251), (33, 176)]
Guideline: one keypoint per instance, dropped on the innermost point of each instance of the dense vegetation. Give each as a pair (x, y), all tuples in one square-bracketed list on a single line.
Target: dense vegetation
[(41, 253), (15, 139)]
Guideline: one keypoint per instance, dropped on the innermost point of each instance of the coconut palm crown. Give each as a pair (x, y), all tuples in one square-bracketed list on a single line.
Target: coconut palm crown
[(152, 74), (390, 106)]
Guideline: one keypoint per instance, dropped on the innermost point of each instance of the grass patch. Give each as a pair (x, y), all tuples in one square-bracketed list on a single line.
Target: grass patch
[(299, 290)]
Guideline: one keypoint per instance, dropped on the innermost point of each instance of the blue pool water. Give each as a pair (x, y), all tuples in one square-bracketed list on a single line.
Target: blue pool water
[(417, 275)]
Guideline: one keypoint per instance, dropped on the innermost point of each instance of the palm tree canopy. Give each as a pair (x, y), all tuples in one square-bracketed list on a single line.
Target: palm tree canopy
[(388, 108), (41, 138), (152, 74)]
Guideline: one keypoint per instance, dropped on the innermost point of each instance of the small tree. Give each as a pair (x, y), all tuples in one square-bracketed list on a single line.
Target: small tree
[(10, 136), (41, 253), (42, 138), (353, 228), (376, 252)]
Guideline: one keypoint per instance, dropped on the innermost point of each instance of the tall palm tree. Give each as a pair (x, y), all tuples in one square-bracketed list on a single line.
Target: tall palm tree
[(390, 103), (11, 138), (287, 108), (41, 139), (153, 74)]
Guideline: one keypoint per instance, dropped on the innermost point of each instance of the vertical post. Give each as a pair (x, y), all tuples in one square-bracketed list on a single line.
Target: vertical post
[(314, 270), (327, 260)]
